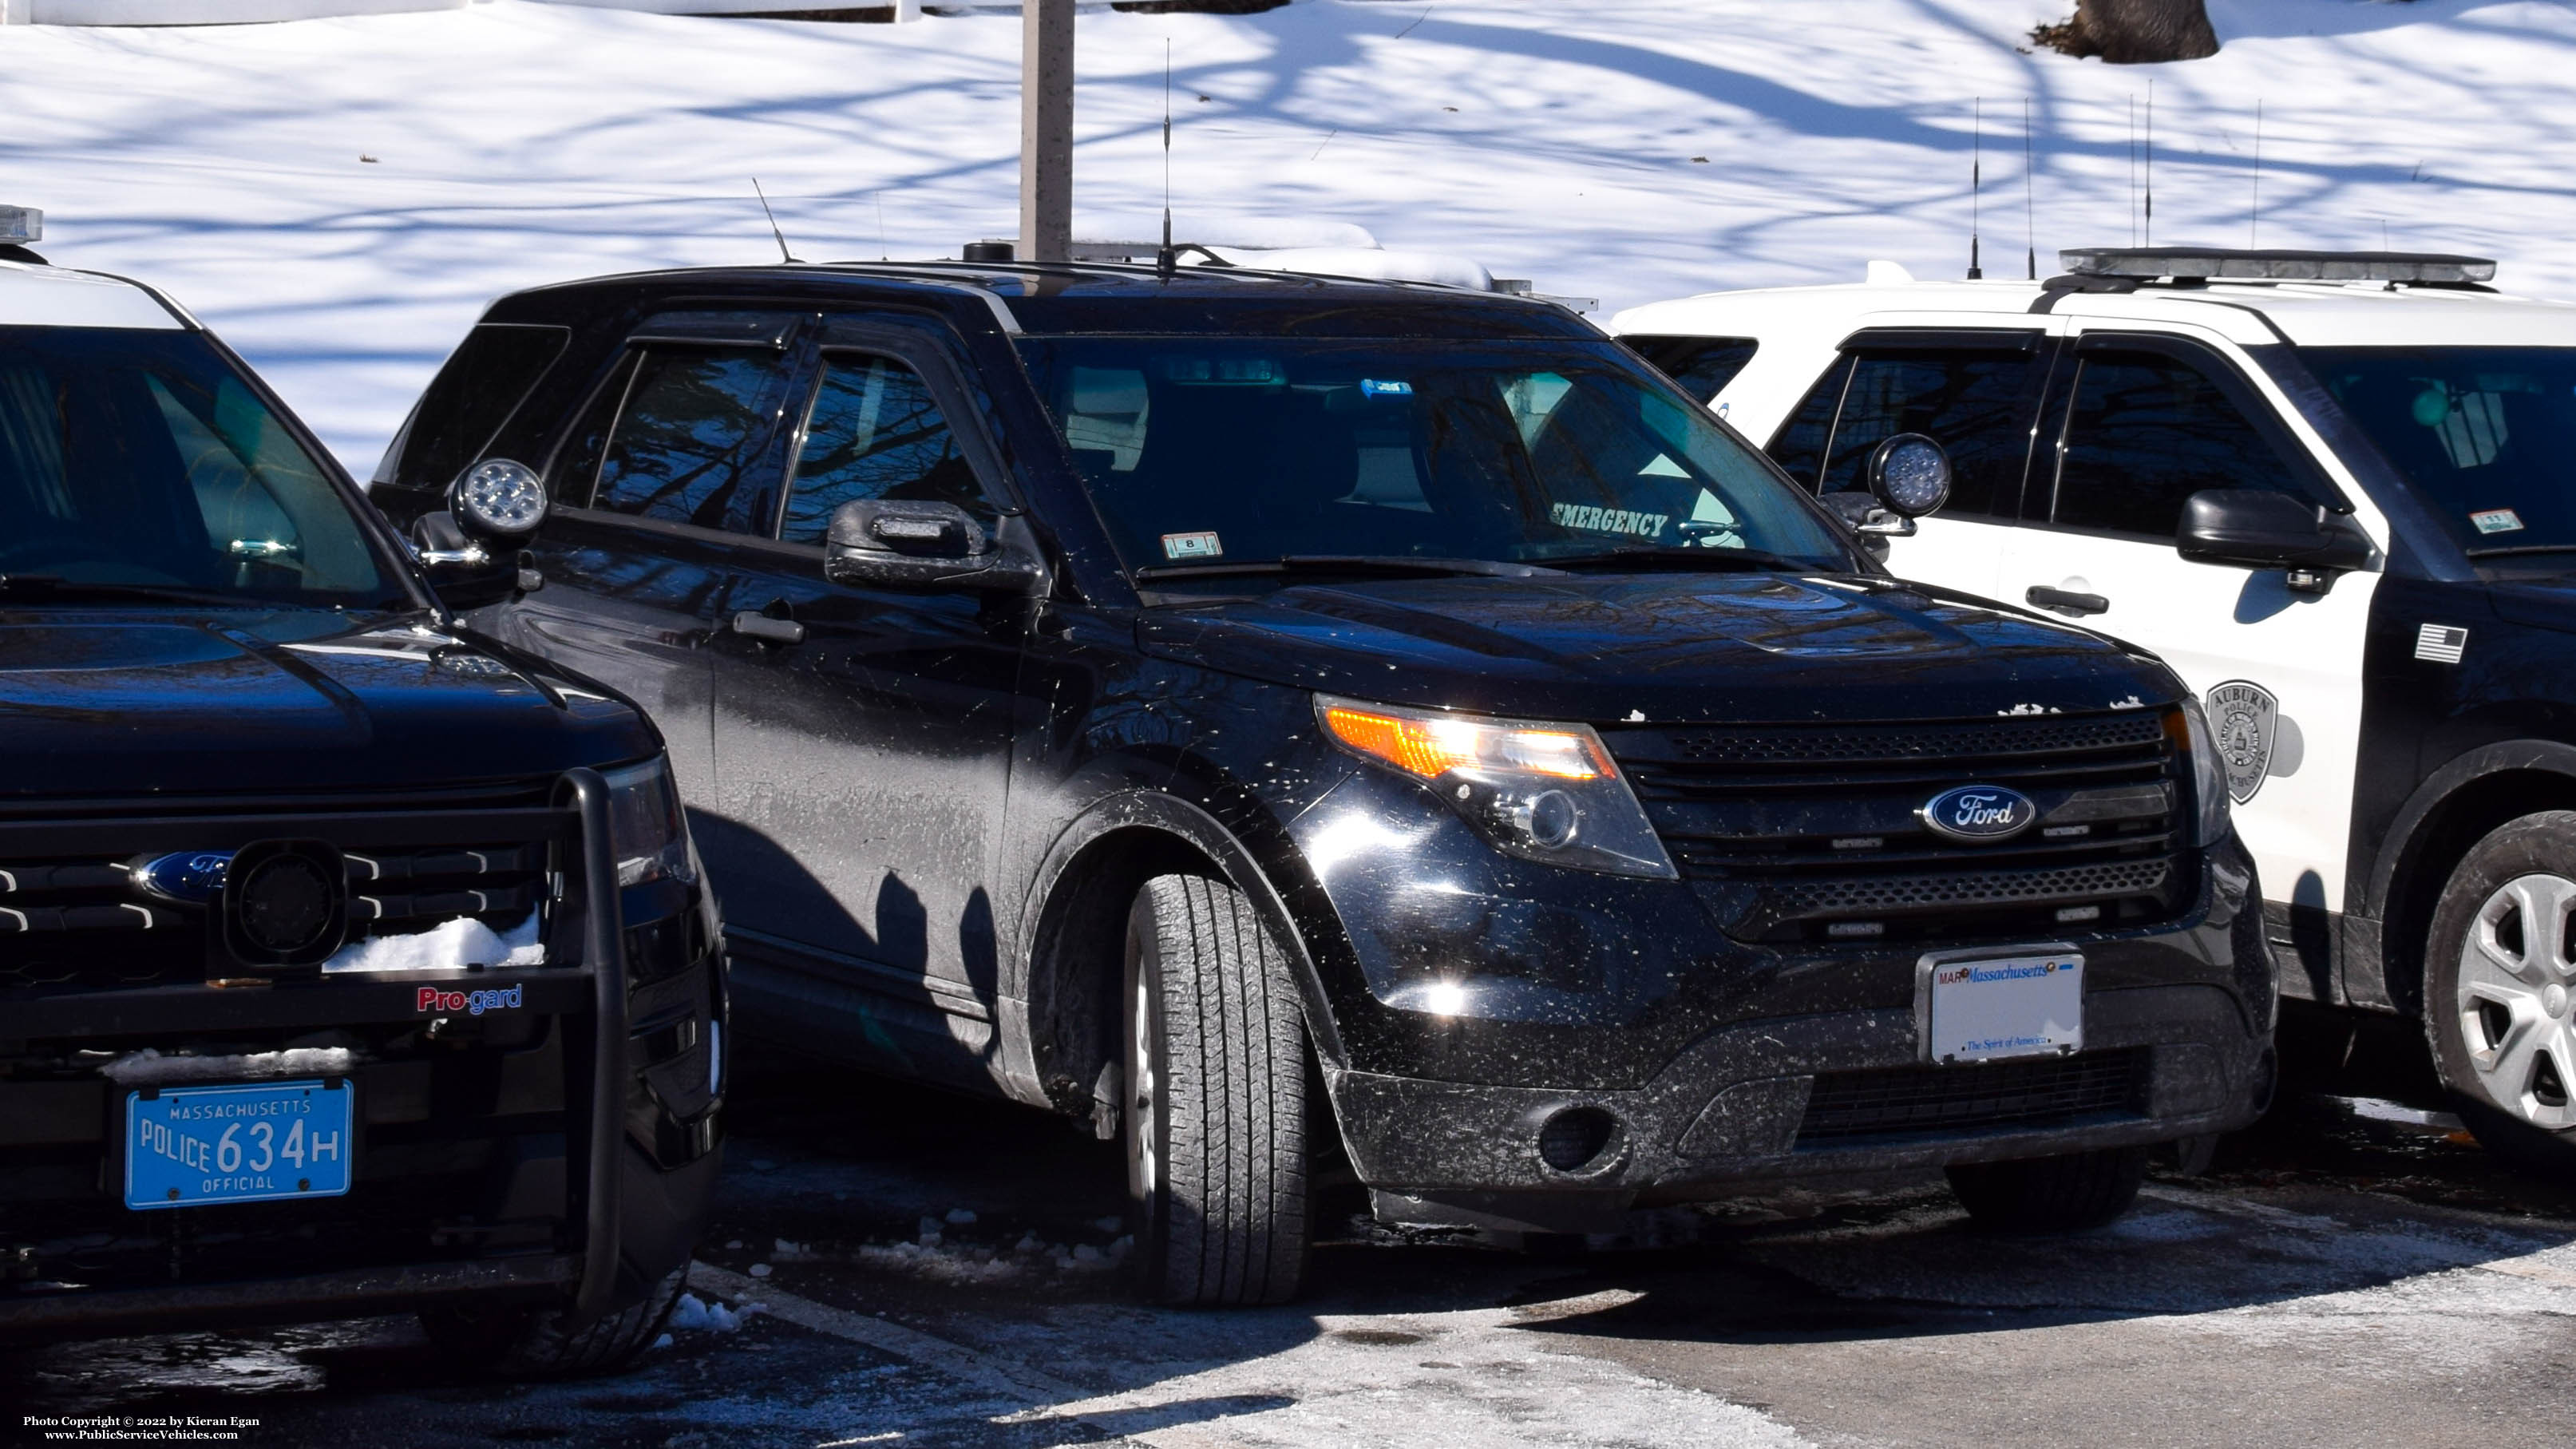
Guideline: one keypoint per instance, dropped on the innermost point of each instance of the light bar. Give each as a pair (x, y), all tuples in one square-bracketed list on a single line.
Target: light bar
[(2237, 264), (20, 225)]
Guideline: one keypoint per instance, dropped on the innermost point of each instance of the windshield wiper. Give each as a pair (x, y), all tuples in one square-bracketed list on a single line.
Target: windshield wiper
[(1349, 563), (55, 586), (1663, 556), (2521, 549)]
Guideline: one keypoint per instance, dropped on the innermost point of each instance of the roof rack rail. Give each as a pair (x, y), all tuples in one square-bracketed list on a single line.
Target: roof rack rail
[(2431, 269)]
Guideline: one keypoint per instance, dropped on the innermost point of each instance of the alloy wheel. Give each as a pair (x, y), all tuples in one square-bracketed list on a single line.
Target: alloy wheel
[(2517, 999)]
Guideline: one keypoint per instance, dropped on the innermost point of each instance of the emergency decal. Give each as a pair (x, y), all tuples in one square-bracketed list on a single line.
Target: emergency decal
[(439, 1001), (1610, 520), (2246, 718), (2441, 643), (1192, 545), (2497, 520)]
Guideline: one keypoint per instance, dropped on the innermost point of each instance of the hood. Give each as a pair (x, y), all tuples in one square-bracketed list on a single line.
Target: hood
[(1663, 648), (120, 704)]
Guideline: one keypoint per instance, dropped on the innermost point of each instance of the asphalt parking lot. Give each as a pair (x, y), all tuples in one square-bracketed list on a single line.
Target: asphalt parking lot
[(2343, 1272)]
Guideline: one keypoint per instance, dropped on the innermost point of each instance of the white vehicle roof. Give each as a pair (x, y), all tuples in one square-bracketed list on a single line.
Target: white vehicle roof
[(2321, 314), (38, 296)]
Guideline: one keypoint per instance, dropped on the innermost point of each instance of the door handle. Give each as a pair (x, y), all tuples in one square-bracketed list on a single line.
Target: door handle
[(2065, 601), (768, 630)]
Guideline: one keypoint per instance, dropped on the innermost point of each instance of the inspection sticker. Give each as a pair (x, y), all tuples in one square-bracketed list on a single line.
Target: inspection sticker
[(2497, 520), (1192, 545)]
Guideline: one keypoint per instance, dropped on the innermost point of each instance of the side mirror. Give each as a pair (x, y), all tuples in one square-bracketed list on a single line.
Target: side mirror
[(2252, 528), (1909, 475), (905, 543), (465, 574)]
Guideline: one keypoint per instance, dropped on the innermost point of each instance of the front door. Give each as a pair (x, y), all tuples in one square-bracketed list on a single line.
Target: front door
[(2137, 424), (671, 463), (863, 734)]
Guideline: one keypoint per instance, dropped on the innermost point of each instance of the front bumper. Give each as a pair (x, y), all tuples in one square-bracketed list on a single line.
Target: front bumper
[(563, 1151), (1739, 1110)]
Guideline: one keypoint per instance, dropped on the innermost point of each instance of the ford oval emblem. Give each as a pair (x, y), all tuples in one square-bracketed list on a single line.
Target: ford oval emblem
[(1979, 812), (189, 875)]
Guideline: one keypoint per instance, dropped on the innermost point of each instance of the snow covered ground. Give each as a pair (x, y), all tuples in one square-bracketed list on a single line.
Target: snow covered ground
[(340, 197)]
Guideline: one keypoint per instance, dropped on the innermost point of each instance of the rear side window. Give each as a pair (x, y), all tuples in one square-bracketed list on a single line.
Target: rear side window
[(2144, 433), (875, 432), (1975, 403), (1702, 365), (690, 436), (472, 397)]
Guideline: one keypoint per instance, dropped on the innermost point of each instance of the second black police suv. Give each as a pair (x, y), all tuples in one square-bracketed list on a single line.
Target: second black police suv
[(1308, 726)]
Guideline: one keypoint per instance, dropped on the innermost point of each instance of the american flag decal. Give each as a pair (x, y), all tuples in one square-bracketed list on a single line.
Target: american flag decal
[(2440, 643)]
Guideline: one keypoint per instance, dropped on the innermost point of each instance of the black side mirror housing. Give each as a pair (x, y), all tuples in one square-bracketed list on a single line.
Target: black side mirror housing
[(2252, 528), (464, 573), (910, 543)]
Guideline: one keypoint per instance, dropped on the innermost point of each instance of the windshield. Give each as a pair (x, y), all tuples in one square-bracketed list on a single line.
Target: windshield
[(137, 461), (1218, 452), (2487, 435)]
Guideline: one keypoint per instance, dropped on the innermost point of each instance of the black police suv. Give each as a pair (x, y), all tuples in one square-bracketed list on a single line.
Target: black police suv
[(350, 962), (1309, 726)]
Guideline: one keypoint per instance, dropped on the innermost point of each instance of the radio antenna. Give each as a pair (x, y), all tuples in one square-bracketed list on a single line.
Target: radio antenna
[(2254, 213), (1167, 260), (783, 253), (1976, 178), (2029, 207), (2133, 170), (2151, 163)]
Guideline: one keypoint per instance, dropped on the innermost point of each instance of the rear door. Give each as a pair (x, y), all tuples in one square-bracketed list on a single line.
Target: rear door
[(1976, 390), (2137, 423)]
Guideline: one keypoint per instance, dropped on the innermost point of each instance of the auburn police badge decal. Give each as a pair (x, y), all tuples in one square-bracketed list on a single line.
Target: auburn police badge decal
[(2245, 718)]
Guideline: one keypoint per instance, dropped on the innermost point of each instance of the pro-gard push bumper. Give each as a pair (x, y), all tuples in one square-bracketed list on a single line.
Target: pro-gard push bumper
[(563, 1150)]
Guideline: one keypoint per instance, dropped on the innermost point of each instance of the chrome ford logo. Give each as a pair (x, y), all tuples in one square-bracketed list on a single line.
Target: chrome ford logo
[(189, 875), (1978, 812)]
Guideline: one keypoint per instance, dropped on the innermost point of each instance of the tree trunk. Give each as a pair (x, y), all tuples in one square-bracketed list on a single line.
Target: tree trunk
[(2133, 32)]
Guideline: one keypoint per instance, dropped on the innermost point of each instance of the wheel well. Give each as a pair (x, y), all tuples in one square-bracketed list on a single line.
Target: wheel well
[(1080, 955), (2461, 820)]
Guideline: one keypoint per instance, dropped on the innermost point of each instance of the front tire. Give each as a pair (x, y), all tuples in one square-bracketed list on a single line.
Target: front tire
[(2050, 1194), (1215, 1100), (2500, 991), (524, 1341)]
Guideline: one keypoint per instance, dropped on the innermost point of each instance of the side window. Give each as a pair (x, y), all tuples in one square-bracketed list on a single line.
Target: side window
[(1800, 447), (1975, 402), (2145, 432), (690, 435), (1702, 365), (874, 431), (472, 397)]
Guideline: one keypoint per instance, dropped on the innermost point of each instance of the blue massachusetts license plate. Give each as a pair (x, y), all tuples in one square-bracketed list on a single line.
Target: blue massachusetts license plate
[(190, 1145)]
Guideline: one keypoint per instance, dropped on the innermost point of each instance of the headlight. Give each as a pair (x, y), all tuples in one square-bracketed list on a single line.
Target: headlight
[(1544, 792), (2208, 773), (645, 826)]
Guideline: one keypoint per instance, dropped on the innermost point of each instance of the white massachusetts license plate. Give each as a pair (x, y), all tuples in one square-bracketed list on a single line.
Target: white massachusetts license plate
[(2006, 1006), (189, 1145)]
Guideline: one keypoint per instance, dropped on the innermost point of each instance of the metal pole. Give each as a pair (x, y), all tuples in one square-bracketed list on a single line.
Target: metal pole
[(1046, 129)]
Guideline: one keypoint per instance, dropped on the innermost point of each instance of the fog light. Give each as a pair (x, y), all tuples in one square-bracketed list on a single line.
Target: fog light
[(1578, 1138)]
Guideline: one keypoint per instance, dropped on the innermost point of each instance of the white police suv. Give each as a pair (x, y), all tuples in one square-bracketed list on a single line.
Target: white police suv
[(2333, 490)]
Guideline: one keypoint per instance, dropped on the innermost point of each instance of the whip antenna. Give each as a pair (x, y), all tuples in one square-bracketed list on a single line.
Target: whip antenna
[(2254, 213), (2151, 163), (2029, 207), (1167, 259), (783, 253), (1976, 178)]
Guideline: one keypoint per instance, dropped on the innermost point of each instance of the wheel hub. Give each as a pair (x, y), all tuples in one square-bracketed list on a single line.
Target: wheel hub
[(2514, 997)]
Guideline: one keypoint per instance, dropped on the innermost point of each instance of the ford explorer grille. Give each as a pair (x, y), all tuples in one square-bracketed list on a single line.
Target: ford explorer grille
[(1810, 833)]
